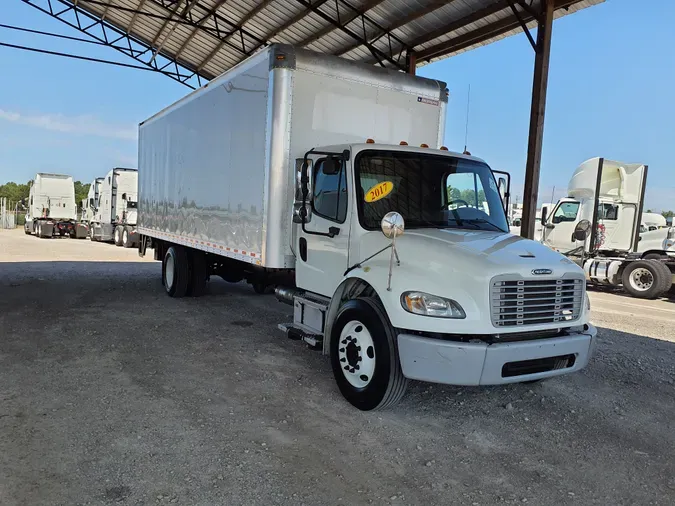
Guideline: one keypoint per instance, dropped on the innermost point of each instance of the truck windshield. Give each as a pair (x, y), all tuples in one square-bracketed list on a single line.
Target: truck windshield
[(430, 191)]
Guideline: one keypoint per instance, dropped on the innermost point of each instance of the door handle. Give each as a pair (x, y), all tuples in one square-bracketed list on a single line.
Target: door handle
[(333, 231)]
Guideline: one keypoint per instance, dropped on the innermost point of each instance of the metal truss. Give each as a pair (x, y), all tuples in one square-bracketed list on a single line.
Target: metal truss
[(345, 13), (98, 29)]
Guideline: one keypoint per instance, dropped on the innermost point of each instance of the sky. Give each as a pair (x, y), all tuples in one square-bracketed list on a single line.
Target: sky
[(611, 83)]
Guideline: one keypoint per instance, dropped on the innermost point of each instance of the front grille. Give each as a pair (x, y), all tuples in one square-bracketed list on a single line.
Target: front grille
[(535, 301), (511, 369)]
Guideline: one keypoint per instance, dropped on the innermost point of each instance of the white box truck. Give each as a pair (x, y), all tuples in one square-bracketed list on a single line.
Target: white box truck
[(287, 170), (51, 207), (116, 209), (88, 205), (606, 197)]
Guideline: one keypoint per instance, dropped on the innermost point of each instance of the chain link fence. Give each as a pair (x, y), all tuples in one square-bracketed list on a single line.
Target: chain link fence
[(10, 215)]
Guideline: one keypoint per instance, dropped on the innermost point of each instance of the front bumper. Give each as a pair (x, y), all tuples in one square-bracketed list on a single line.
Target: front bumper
[(455, 363)]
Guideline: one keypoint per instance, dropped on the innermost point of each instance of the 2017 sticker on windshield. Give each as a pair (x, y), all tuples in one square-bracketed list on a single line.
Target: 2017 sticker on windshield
[(379, 191)]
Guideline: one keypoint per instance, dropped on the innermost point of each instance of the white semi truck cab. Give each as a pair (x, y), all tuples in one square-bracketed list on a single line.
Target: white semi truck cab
[(395, 256), (116, 208), (606, 197)]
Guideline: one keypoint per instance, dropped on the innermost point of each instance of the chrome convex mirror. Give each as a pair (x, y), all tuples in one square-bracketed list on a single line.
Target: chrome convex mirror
[(392, 225)]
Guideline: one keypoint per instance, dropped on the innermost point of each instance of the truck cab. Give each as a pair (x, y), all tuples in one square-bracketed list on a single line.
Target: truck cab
[(461, 300)]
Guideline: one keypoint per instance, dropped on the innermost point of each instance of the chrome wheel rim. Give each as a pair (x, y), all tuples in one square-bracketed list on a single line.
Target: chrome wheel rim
[(168, 272), (356, 353), (641, 279)]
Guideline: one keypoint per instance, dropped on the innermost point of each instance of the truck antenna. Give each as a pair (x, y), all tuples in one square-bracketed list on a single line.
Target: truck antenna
[(466, 127)]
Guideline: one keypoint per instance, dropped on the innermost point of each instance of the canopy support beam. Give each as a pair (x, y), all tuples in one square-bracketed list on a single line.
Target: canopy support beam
[(537, 111)]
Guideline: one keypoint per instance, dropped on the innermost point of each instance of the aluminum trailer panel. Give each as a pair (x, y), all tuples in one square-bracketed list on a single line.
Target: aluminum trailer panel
[(217, 168)]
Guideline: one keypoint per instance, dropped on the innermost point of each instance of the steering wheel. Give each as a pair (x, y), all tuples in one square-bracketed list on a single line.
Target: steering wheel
[(450, 202)]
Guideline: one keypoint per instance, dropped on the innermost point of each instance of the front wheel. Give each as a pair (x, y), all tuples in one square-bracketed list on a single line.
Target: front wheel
[(364, 356)]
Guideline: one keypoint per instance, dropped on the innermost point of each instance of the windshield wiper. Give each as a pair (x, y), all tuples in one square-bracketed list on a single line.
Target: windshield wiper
[(475, 221)]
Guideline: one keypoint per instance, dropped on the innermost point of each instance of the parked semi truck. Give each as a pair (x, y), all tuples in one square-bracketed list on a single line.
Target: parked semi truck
[(314, 174), (116, 209), (88, 205), (51, 207), (606, 197)]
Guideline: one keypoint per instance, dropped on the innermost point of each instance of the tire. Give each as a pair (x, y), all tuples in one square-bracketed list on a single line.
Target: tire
[(667, 278), (126, 239), (91, 233), (643, 279), (198, 274), (378, 382), (117, 236), (26, 230), (176, 272)]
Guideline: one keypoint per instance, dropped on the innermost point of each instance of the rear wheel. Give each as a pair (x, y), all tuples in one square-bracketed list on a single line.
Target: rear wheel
[(644, 279), (126, 238), (198, 274), (117, 236), (364, 356), (176, 271)]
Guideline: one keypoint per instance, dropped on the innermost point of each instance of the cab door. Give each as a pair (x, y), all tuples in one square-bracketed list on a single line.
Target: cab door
[(322, 243), (559, 227)]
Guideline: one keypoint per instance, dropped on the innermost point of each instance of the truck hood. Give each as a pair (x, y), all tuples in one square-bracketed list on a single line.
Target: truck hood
[(458, 265), (498, 249)]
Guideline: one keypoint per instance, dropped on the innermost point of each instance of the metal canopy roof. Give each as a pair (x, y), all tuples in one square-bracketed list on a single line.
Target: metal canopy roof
[(194, 39)]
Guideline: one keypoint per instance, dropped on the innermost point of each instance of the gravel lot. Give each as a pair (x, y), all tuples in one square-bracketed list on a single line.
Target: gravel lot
[(111, 392)]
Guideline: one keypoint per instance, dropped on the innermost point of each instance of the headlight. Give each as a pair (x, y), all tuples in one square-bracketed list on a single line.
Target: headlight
[(430, 305)]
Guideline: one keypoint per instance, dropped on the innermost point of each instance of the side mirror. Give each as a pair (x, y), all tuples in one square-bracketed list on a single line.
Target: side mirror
[(582, 230), (124, 196), (544, 215), (392, 225), (91, 202)]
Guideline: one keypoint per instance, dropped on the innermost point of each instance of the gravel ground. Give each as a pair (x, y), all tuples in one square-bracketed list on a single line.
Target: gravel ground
[(111, 392)]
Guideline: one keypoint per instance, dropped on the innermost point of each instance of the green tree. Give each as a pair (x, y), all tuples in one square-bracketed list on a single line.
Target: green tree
[(668, 214), (649, 210), (14, 192), (81, 191)]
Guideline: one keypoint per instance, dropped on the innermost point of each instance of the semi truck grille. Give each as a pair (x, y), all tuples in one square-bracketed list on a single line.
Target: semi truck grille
[(536, 301)]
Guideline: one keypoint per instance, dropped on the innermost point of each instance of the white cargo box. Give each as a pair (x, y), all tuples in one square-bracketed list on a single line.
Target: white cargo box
[(217, 168)]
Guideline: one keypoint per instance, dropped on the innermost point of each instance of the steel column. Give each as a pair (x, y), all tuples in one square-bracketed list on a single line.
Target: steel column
[(537, 111)]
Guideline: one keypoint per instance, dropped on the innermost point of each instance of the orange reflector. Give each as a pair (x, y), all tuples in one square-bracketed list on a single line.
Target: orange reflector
[(281, 57), (403, 143), (370, 141), (443, 148), (424, 145)]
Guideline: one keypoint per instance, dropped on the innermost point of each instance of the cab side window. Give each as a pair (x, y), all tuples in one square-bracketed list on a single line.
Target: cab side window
[(608, 212), (330, 190), (567, 211)]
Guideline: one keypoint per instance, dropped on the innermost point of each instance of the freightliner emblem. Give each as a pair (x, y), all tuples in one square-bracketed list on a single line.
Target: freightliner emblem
[(540, 272)]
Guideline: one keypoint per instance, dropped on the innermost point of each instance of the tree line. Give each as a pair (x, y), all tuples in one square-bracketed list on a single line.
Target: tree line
[(17, 192)]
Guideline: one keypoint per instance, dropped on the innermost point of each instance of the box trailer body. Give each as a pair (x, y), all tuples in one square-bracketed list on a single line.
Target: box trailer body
[(608, 195), (51, 207), (116, 210), (272, 111), (287, 170)]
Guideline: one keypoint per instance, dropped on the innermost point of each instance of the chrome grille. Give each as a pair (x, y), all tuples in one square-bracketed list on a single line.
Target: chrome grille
[(535, 301)]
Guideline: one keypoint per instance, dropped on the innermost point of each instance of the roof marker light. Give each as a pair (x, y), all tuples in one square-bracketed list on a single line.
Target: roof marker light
[(424, 145), (443, 148), (403, 143), (370, 141)]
